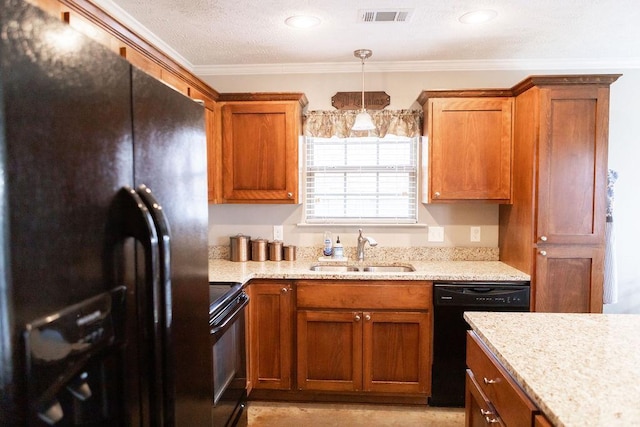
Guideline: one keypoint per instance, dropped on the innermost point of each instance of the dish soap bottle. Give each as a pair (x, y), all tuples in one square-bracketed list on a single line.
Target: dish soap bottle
[(338, 250), (328, 250)]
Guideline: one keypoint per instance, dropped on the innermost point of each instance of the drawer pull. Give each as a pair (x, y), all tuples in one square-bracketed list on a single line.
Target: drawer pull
[(490, 420), (488, 381), (485, 412)]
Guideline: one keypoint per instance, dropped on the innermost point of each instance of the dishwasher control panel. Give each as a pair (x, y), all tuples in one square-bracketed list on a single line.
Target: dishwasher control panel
[(482, 294)]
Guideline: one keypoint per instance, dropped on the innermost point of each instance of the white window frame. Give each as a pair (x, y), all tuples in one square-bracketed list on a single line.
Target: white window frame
[(411, 167)]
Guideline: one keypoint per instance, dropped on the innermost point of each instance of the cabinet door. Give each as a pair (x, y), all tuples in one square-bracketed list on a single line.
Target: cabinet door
[(260, 152), (470, 149), (396, 352), (568, 279), (270, 330), (329, 350), (572, 169)]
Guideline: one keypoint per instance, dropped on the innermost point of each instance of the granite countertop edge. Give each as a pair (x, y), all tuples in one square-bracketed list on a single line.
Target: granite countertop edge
[(228, 271), (578, 368)]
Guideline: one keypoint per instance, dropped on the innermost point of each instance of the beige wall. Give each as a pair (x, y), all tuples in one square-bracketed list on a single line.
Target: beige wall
[(404, 88)]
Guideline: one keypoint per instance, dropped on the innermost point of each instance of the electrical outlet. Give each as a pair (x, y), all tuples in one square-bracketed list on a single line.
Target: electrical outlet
[(435, 234), (278, 232), (475, 234)]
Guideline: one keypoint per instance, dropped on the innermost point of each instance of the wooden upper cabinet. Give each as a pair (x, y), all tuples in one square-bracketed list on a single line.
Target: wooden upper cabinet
[(260, 141), (469, 147), (572, 177)]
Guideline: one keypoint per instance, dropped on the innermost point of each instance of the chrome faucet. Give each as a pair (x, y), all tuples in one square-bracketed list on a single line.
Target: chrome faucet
[(363, 241)]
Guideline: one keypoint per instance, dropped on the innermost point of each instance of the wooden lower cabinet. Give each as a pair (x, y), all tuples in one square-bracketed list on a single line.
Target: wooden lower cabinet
[(385, 352), (492, 397), (479, 412), (329, 350), (270, 334), (378, 345), (568, 279), (396, 346)]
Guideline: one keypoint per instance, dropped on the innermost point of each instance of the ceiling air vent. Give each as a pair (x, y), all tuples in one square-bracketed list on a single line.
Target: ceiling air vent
[(385, 15)]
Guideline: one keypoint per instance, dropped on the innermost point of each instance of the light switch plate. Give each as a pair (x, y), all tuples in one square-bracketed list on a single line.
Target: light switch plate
[(278, 233), (475, 234), (435, 234)]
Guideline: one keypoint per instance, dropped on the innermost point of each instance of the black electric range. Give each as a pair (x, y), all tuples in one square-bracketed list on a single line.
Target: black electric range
[(227, 302)]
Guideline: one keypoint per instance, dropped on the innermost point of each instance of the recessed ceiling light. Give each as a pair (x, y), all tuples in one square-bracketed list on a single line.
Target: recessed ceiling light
[(302, 21), (478, 16)]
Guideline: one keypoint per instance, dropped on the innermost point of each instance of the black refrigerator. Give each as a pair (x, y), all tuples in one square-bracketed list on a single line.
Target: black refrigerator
[(103, 236)]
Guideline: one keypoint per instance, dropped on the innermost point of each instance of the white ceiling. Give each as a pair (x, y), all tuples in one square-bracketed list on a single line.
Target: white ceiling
[(249, 36)]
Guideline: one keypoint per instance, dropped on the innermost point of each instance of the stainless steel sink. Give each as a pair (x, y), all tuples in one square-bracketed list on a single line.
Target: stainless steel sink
[(388, 268), (334, 268), (365, 269)]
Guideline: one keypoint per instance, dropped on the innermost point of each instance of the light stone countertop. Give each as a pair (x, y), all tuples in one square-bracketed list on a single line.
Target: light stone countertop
[(580, 369), (228, 271)]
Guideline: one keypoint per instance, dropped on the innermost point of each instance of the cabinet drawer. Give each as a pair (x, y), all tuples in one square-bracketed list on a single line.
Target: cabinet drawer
[(364, 295), (479, 411), (510, 402)]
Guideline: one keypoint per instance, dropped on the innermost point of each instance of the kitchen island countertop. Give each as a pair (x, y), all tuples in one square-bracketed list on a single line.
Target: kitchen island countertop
[(228, 271), (579, 369)]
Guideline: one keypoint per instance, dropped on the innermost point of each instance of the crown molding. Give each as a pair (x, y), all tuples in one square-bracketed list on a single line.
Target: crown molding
[(136, 27), (422, 66)]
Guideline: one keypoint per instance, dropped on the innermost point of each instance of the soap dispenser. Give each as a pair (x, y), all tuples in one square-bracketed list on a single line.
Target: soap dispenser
[(327, 250), (338, 250)]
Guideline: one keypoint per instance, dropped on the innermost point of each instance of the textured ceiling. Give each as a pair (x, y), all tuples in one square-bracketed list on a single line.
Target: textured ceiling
[(219, 33)]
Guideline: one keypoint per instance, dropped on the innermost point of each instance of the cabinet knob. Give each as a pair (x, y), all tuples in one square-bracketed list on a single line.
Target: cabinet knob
[(543, 238), (543, 253), (436, 194), (490, 420), (290, 195), (285, 290), (488, 381), (485, 412), (356, 317), (367, 317)]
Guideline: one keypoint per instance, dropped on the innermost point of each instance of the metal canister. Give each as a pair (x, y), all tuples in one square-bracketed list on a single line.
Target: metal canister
[(259, 249), (290, 253), (240, 248), (275, 250)]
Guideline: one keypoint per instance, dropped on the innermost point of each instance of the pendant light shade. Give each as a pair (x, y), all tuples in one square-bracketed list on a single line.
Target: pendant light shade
[(363, 122), (363, 119)]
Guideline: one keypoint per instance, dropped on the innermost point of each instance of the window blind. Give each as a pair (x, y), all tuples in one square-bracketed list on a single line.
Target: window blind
[(361, 180)]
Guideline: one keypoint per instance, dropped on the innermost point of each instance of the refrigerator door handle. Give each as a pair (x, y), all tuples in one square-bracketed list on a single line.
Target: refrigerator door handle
[(129, 216), (162, 301)]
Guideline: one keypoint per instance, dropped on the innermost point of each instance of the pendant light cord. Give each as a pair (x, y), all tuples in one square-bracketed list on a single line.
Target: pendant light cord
[(362, 60)]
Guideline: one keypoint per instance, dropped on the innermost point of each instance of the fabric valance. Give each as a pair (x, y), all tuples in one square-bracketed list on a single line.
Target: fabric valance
[(326, 124)]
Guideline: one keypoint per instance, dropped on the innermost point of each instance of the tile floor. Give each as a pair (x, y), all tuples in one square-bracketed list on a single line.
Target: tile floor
[(267, 414)]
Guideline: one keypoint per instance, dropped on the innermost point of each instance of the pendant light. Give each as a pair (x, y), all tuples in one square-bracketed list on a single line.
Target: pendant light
[(363, 119)]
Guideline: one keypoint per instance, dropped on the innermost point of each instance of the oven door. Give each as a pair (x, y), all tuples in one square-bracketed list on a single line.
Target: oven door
[(229, 364)]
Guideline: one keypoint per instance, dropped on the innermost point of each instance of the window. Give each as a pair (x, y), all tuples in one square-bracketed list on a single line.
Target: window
[(361, 180)]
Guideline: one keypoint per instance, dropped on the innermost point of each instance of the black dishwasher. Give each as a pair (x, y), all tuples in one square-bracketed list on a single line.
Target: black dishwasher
[(450, 301)]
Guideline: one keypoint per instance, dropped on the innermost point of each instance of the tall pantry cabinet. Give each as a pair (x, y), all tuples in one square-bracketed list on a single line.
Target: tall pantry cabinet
[(554, 228)]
